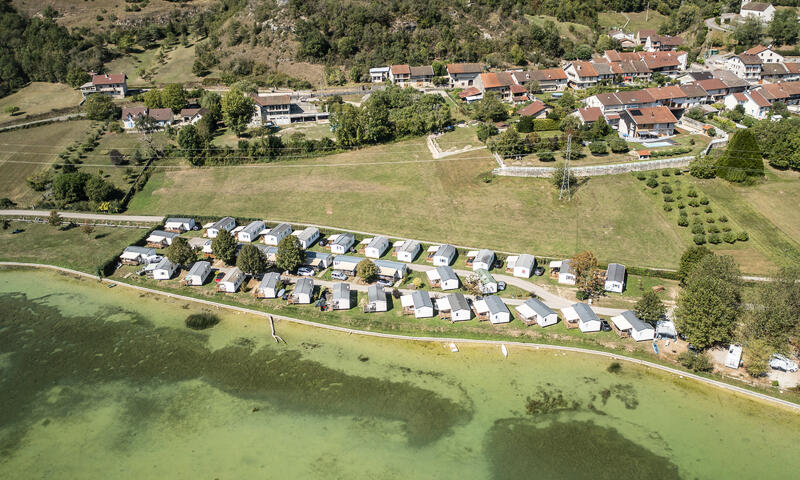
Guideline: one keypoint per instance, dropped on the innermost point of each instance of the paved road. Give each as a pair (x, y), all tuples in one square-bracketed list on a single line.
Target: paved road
[(442, 340), (85, 216), (62, 118), (711, 24)]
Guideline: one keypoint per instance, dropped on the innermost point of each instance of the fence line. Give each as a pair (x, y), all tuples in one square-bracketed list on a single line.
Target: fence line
[(596, 170)]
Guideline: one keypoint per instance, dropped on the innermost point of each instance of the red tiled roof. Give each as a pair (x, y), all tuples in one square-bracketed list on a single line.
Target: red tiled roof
[(631, 97), (584, 69), (692, 90), (271, 99), (739, 96), (712, 84), (532, 109), (644, 153), (401, 69), (792, 67), (106, 79), (517, 89), (548, 74), (759, 99), (468, 92), (755, 50), (496, 80), (457, 68), (590, 114), (650, 115)]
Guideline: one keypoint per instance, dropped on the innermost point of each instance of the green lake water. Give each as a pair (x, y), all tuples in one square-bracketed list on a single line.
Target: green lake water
[(108, 383)]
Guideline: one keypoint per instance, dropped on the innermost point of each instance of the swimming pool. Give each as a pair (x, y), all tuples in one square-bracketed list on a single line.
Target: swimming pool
[(660, 143)]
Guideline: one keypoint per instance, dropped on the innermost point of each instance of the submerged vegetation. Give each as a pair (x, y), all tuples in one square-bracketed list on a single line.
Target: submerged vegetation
[(201, 321)]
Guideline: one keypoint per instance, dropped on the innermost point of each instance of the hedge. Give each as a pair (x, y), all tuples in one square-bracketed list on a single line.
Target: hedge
[(544, 125)]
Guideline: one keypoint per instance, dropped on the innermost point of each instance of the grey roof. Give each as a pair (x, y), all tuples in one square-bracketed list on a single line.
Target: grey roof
[(162, 233), (267, 249), (484, 276), (279, 229), (377, 241), (390, 264), (347, 258), (585, 313), (253, 228), (421, 299), (540, 308), (409, 246), (308, 233), (446, 273), (140, 250), (457, 301), (700, 75), (232, 274), (345, 239), (566, 267), (165, 263), (526, 260), (446, 251), (270, 280), (197, 267), (303, 285), (635, 322), (178, 220), (495, 304), (376, 293), (616, 272), (484, 256), (311, 254), (220, 224), (341, 290)]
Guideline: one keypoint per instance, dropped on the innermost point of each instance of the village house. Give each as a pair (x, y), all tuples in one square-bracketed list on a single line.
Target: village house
[(161, 117), (114, 85), (442, 277), (378, 74), (276, 234), (418, 304), (486, 282), (774, 72), (421, 76), (226, 223), (753, 102), (463, 75), (535, 109), (317, 260), (130, 115), (307, 237), (653, 42), (498, 83), (134, 255), (493, 309), (252, 231), (179, 225), (521, 265), (786, 92), (746, 67), (391, 271), (303, 291), (766, 54), (198, 274), (581, 316), (470, 94), (270, 285), (341, 243), (164, 269), (480, 259), (340, 299), (627, 324), (346, 264), (376, 299), (648, 122), (231, 282), (615, 278), (715, 89), (376, 247), (581, 74), (549, 79), (407, 250), (765, 12), (454, 307), (589, 115), (272, 108), (191, 115), (400, 74), (731, 80), (534, 311), (160, 238), (441, 255)]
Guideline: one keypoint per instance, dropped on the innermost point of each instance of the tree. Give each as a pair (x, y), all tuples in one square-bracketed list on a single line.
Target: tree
[(366, 270), (54, 218), (618, 145), (702, 167), (517, 55), (525, 124), (598, 148), (773, 317), (695, 113), (583, 52), (710, 303), (489, 109), (689, 259), (180, 252), (77, 76), (99, 190), (784, 28), (600, 129), (173, 96), (191, 142), (290, 254), (251, 260), (587, 274), (99, 107), (742, 158), (558, 175), (649, 308), (224, 247), (756, 357), (237, 110), (5, 224), (749, 33), (88, 230), (70, 187)]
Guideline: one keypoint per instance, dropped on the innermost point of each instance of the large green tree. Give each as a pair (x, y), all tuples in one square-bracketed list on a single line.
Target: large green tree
[(774, 316), (742, 158), (290, 254), (173, 96), (784, 28), (489, 109), (366, 270), (689, 259), (180, 252), (710, 303), (224, 247), (251, 260), (237, 110), (99, 107), (587, 274), (650, 308)]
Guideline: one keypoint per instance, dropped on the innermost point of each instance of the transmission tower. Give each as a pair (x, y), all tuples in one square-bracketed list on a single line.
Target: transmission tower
[(565, 176)]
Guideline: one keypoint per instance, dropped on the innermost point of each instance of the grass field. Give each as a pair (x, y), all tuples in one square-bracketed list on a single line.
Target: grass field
[(578, 33), (177, 67), (39, 97), (39, 147), (312, 130), (637, 20), (43, 243), (777, 200), (460, 137)]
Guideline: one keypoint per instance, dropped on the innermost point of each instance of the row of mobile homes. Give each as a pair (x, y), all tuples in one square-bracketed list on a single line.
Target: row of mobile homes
[(227, 224), (493, 309), (581, 316), (346, 264), (307, 237), (179, 225), (198, 274), (164, 269), (392, 271), (376, 247), (442, 277), (341, 296), (276, 234), (441, 255), (376, 299), (615, 278), (627, 324), (454, 307), (480, 259), (160, 239), (317, 260), (341, 243), (303, 291), (251, 232), (534, 311), (407, 250), (486, 281), (231, 282), (521, 266), (270, 286), (418, 304), (134, 255)]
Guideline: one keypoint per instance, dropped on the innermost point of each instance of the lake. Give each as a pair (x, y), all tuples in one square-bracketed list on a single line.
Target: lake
[(109, 383)]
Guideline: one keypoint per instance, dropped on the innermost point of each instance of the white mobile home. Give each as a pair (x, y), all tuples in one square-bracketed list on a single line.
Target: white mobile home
[(407, 250), (582, 316), (277, 233), (534, 311), (615, 278), (390, 270), (346, 263), (251, 232), (734, 356), (317, 260), (164, 269), (341, 243), (377, 247), (134, 255), (521, 266), (486, 281), (566, 275), (197, 274), (493, 309), (627, 324), (200, 243), (160, 238), (418, 303), (227, 224), (443, 255), (303, 291), (341, 296), (307, 236), (270, 285), (179, 224), (442, 277), (231, 282), (480, 259), (376, 299), (454, 307)]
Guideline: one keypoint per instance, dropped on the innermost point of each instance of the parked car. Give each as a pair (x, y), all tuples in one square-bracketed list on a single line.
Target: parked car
[(323, 242), (384, 283), (498, 263), (305, 271), (604, 326), (539, 271), (338, 276), (501, 286), (219, 276), (783, 363)]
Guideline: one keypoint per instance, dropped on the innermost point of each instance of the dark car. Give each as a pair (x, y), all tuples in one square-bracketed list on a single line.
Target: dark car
[(323, 242), (498, 263), (539, 271), (604, 326), (501, 286)]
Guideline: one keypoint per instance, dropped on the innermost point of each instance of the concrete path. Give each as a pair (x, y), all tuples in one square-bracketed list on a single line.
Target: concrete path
[(84, 216), (440, 340)]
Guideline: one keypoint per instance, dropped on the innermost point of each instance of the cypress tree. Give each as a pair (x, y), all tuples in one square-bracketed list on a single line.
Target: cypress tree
[(742, 158)]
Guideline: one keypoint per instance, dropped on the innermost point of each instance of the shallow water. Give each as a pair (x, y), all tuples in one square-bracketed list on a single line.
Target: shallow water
[(107, 383)]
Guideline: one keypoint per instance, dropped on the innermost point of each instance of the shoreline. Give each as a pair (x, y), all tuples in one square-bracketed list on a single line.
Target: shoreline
[(349, 331)]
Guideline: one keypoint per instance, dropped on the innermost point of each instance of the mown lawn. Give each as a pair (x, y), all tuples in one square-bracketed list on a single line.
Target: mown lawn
[(43, 243), (637, 20), (39, 97), (460, 137)]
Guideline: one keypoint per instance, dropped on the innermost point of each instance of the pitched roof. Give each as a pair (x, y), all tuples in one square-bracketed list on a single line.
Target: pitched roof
[(540, 308), (376, 293), (590, 114), (585, 313), (518, 89), (666, 93), (692, 90), (635, 322), (712, 84), (421, 71), (446, 273), (160, 114), (757, 97), (792, 67), (756, 6), (341, 290), (421, 299), (457, 301), (584, 69), (647, 32), (608, 99), (401, 69), (615, 272), (730, 79), (468, 92), (303, 286), (749, 59), (191, 112), (650, 115), (496, 80), (532, 109), (446, 251), (547, 74), (461, 68), (602, 68), (495, 304), (108, 79), (133, 112), (270, 280), (272, 99), (630, 97), (755, 50), (739, 96), (773, 69), (700, 75)]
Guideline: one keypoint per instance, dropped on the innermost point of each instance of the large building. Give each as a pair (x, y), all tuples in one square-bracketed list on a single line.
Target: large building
[(115, 85), (762, 11)]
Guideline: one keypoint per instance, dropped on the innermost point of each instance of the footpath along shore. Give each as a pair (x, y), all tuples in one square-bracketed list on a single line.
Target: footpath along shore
[(680, 373)]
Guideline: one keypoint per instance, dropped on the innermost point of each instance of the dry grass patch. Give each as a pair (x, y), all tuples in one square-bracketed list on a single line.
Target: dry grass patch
[(37, 98)]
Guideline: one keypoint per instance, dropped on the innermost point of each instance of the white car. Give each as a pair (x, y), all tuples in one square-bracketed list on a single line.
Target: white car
[(781, 362), (305, 271)]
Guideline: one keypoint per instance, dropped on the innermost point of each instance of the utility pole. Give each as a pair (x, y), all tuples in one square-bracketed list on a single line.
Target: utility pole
[(647, 12), (566, 174)]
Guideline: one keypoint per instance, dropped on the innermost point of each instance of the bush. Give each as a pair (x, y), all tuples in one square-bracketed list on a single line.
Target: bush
[(581, 295), (729, 237), (668, 198), (702, 168), (544, 125), (546, 157), (201, 321), (618, 145), (683, 222), (666, 189), (723, 219), (714, 238), (681, 205), (641, 176), (713, 229), (710, 220), (666, 172), (699, 239), (652, 183), (708, 210), (704, 201), (698, 228), (697, 362), (598, 148), (693, 203), (677, 171), (667, 207), (683, 213), (692, 193), (742, 236)]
